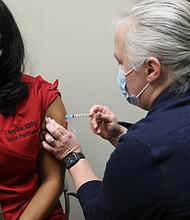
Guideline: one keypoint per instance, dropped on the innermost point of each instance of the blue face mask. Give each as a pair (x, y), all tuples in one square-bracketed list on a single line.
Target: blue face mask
[(121, 79)]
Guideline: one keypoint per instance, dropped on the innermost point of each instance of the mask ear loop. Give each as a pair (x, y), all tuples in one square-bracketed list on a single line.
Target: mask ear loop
[(130, 71), (133, 69), (143, 90)]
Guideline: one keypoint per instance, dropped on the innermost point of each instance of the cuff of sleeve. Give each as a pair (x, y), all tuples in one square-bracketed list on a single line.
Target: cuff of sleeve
[(125, 124)]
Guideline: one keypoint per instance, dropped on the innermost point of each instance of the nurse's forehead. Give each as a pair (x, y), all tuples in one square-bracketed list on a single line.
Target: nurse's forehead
[(119, 46)]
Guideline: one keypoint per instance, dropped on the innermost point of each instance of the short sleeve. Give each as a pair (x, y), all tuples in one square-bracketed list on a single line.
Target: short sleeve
[(49, 92), (42, 93)]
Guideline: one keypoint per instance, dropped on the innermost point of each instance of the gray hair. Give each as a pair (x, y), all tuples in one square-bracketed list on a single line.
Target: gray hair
[(160, 28)]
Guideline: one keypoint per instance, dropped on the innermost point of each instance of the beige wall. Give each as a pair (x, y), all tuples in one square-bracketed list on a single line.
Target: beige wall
[(73, 41)]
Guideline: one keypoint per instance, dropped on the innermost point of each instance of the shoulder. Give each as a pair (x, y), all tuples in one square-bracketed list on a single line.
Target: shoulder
[(33, 80), (39, 84)]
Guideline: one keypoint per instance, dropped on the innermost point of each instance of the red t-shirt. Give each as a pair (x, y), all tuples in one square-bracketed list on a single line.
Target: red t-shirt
[(19, 148)]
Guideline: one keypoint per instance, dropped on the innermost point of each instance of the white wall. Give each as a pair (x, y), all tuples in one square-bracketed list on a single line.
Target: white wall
[(73, 41)]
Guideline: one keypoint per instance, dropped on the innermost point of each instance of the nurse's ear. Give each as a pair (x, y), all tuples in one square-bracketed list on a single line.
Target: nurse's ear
[(153, 69)]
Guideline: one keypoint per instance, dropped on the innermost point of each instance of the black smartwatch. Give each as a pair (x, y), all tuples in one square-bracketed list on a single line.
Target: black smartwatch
[(71, 159)]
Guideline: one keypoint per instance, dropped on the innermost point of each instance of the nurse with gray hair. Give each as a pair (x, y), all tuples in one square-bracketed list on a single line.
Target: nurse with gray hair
[(148, 173)]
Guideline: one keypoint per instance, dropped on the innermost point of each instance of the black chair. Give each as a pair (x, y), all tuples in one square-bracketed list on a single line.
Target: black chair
[(66, 195)]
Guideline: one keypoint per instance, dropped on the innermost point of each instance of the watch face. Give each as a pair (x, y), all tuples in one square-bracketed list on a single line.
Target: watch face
[(70, 160)]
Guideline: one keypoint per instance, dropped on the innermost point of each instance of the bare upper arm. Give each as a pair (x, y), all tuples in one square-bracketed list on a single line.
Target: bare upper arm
[(56, 111), (50, 167)]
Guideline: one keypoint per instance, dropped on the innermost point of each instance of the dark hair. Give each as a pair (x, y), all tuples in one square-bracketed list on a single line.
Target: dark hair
[(12, 88)]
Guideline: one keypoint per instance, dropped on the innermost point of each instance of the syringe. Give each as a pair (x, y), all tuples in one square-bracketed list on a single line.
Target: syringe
[(80, 115)]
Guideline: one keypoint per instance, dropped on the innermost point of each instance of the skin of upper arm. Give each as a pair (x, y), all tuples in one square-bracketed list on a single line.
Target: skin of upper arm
[(50, 166), (51, 171), (56, 111)]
